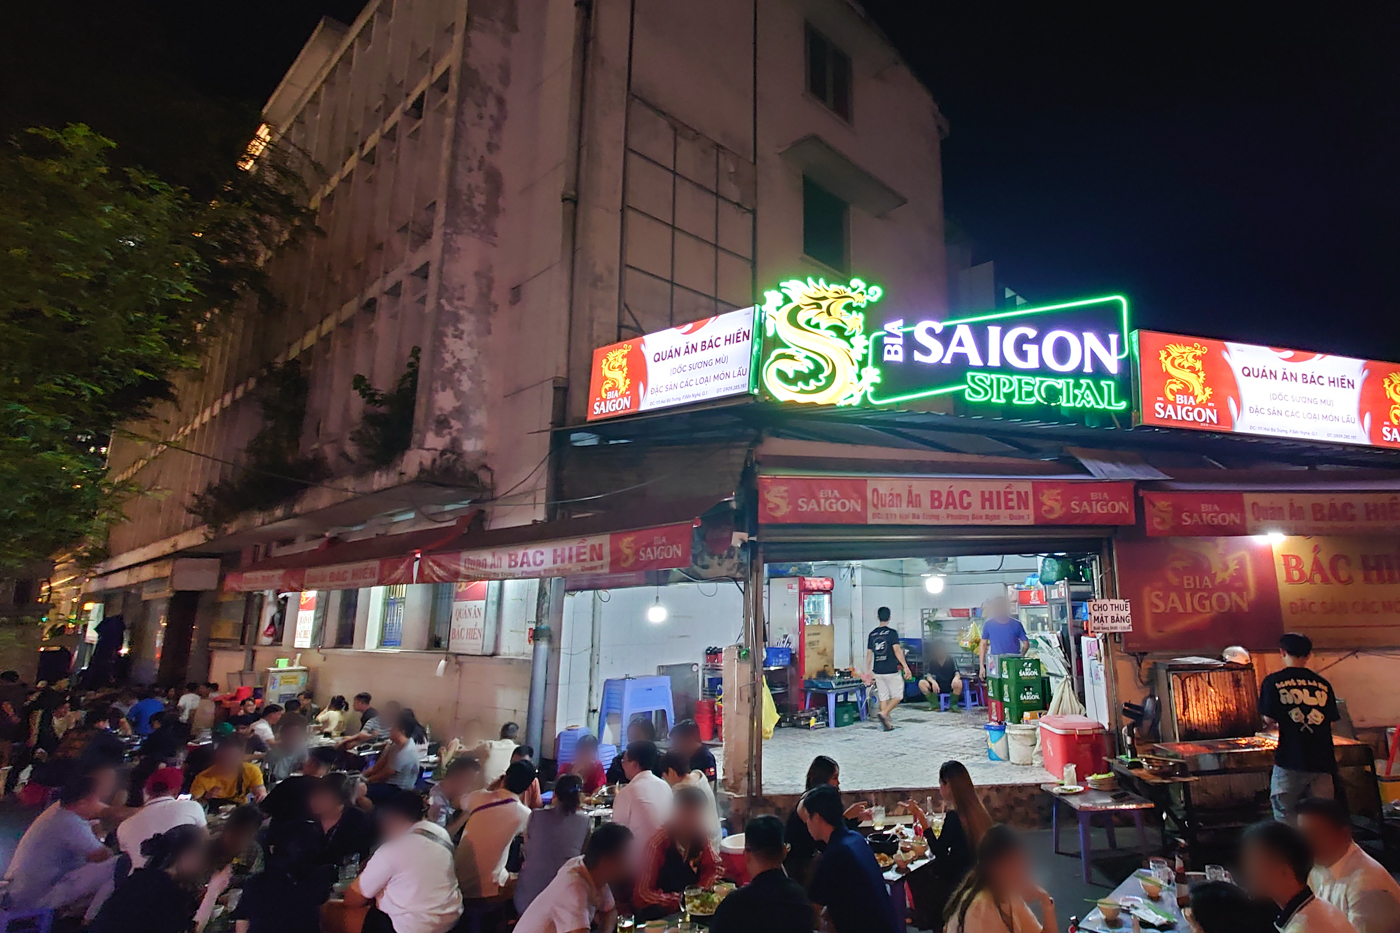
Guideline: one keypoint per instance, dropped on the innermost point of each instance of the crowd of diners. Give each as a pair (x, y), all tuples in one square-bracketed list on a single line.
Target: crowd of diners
[(186, 811)]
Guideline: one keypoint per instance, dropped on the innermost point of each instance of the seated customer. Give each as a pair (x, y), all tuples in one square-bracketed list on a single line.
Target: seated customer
[(532, 798), (954, 849), (552, 837), (229, 779), (580, 896), (289, 753), (497, 754), (641, 729), (685, 738), (586, 764), (1276, 862), (59, 862), (847, 882), (1343, 875), (265, 726), (680, 856), (289, 801), (287, 896), (771, 902), (346, 830), (940, 676), (375, 725), (161, 812), (410, 877), (334, 717), (802, 848), (447, 800), (992, 899), (157, 898), (236, 845), (400, 764), (1221, 907), (494, 819), (643, 804), (674, 771)]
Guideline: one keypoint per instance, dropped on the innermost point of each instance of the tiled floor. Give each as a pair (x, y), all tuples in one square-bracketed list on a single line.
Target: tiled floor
[(872, 759)]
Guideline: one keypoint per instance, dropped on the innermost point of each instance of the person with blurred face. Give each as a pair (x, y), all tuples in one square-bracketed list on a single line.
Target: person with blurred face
[(1221, 907), (994, 897), (1345, 876), (447, 799), (494, 819), (163, 811), (229, 778), (1277, 861), (1002, 636), (771, 902), (586, 764), (847, 882), (579, 898), (644, 803), (156, 898), (679, 856), (410, 878), (59, 861)]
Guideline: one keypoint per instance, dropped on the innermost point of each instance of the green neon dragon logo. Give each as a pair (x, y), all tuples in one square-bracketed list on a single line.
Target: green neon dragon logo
[(822, 354)]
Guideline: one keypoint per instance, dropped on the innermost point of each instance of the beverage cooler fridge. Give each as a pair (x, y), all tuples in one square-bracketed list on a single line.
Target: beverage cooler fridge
[(816, 643)]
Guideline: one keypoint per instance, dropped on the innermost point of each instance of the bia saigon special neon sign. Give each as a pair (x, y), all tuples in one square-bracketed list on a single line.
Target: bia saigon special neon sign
[(1056, 362)]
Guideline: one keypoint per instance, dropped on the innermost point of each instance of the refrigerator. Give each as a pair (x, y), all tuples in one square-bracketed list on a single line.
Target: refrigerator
[(816, 642)]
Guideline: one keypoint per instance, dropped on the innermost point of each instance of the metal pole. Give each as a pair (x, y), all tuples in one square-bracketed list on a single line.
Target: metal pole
[(539, 666), (753, 597)]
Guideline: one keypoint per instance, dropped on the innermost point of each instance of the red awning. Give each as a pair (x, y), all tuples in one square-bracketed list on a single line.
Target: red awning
[(1218, 513)]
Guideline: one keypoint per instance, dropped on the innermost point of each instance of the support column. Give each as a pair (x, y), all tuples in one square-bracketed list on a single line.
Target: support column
[(549, 617), (552, 668), (417, 617)]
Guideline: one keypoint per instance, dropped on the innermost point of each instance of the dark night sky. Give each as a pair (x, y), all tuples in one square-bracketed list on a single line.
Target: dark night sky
[(1233, 173)]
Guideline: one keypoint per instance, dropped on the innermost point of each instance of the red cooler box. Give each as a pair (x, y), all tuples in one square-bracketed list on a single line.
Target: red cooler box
[(1073, 740)]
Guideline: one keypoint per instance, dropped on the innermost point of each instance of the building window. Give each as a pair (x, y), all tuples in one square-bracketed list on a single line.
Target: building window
[(391, 623), (252, 618), (825, 221), (828, 74), (442, 614), (345, 619)]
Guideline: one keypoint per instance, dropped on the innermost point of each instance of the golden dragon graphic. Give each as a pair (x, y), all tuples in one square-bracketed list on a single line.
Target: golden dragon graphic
[(1186, 371), (614, 369), (1391, 385), (823, 349)]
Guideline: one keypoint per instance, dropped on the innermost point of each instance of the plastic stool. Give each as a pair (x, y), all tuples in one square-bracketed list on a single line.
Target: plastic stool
[(631, 696), (945, 702), (565, 742), (974, 693), (28, 921)]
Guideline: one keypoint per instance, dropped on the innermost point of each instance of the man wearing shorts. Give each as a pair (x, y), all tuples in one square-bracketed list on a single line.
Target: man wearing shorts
[(884, 658)]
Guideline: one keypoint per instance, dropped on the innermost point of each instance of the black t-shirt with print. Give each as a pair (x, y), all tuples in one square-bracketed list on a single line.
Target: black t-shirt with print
[(882, 642), (1305, 706)]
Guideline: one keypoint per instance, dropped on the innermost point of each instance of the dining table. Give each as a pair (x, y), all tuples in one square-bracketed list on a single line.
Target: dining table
[(1131, 887)]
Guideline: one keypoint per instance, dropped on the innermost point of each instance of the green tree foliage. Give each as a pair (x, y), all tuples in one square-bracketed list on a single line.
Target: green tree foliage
[(110, 282), (386, 428)]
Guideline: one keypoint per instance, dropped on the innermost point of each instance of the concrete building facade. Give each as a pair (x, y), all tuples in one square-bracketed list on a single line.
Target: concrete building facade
[(504, 185)]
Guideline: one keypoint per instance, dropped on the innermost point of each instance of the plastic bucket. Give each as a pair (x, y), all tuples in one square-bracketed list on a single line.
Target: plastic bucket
[(996, 742), (731, 858), (1020, 742)]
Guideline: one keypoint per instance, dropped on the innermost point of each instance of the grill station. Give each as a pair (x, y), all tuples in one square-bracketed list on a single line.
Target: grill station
[(1211, 768)]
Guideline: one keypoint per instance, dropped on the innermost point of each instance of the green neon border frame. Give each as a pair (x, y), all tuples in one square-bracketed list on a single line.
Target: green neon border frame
[(1125, 353)]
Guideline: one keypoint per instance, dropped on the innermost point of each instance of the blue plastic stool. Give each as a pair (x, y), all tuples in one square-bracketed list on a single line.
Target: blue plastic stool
[(631, 696), (974, 693), (945, 702), (28, 921)]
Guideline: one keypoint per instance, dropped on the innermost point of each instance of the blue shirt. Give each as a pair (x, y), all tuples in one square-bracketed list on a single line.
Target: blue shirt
[(1004, 637), (849, 883), (140, 715)]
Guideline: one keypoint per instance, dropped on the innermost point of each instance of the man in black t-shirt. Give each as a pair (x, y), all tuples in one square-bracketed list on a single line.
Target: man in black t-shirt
[(940, 676), (1304, 706), (884, 658)]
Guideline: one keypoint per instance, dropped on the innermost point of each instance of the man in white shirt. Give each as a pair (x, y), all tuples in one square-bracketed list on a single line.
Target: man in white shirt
[(495, 754), (1345, 876), (578, 899), (188, 702), (1276, 862), (643, 804), (162, 812), (409, 878), (494, 819), (263, 727)]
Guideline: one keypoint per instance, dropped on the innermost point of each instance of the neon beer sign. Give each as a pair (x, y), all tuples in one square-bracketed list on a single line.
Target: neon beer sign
[(1054, 362)]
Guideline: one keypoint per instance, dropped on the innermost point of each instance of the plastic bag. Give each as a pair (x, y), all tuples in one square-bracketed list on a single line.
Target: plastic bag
[(770, 712)]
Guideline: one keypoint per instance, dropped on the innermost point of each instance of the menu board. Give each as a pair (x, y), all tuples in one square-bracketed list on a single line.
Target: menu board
[(1241, 388)]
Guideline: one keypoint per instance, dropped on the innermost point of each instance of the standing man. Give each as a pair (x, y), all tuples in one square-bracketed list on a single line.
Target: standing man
[(1002, 635), (884, 658), (1304, 706)]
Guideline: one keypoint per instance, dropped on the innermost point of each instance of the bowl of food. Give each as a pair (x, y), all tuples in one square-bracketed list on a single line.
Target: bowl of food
[(886, 862), (1112, 911), (886, 843), (1152, 887)]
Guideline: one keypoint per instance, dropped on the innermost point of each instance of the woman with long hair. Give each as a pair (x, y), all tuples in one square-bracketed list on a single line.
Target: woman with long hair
[(954, 847), (334, 717), (802, 848), (993, 897), (553, 835), (156, 898)]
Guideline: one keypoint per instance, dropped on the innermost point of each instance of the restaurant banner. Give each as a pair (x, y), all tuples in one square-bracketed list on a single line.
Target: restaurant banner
[(1341, 592), (1199, 594), (389, 571), (1185, 514), (1241, 388), (662, 548), (941, 500), (696, 362), (467, 633)]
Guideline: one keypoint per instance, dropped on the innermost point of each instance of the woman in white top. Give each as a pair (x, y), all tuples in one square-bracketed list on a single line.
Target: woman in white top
[(333, 718), (992, 898)]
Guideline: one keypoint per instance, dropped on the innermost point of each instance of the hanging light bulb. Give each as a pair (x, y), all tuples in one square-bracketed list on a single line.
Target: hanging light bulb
[(933, 583), (656, 613)]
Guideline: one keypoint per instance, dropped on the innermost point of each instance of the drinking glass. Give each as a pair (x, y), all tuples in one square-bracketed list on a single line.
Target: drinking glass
[(688, 900), (935, 823), (877, 818), (1216, 873), (626, 923)]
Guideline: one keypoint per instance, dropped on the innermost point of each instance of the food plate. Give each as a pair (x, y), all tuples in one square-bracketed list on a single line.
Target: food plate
[(1065, 790), (885, 862)]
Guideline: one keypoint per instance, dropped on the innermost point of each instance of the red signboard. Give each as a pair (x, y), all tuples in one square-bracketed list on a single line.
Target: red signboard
[(1217, 385), (387, 572), (941, 500), (1199, 594), (1187, 514), (662, 548)]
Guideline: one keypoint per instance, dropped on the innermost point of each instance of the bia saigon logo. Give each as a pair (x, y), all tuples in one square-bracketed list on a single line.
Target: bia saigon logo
[(775, 501), (1052, 503), (1391, 385), (823, 352), (1186, 396)]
